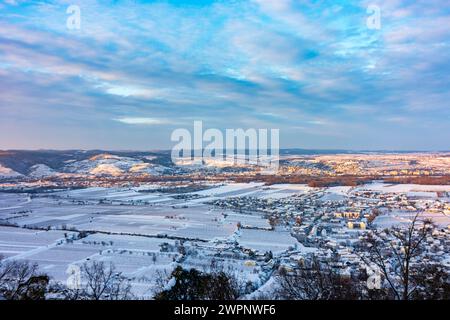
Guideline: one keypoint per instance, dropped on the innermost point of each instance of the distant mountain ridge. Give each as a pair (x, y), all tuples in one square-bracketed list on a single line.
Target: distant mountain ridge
[(23, 161), (47, 163)]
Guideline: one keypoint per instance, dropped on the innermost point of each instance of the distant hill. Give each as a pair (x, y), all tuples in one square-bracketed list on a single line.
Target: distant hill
[(25, 161)]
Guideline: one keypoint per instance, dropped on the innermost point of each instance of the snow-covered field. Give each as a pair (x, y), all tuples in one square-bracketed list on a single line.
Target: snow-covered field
[(130, 227), (397, 218), (398, 188), (22, 243), (266, 240)]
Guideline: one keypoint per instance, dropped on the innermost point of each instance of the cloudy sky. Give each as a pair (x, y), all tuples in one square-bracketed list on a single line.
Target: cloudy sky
[(136, 70)]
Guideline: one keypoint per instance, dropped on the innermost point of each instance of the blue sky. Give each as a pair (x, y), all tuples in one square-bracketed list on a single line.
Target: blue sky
[(136, 70)]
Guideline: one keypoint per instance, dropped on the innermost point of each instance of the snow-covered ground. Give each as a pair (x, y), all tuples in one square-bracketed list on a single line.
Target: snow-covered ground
[(130, 226), (41, 171), (398, 218), (8, 173), (399, 188)]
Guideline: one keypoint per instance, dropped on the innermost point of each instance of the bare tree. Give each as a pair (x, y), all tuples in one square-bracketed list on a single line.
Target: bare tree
[(396, 252), (21, 280), (100, 282), (316, 282)]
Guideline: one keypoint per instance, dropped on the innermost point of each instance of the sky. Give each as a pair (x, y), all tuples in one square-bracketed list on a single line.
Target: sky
[(134, 71)]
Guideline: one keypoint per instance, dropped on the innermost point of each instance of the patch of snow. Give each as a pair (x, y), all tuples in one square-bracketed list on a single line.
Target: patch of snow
[(41, 170), (108, 169), (6, 172)]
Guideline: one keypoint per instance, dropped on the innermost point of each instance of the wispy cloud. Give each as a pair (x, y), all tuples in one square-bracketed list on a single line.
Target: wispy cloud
[(280, 63), (142, 121)]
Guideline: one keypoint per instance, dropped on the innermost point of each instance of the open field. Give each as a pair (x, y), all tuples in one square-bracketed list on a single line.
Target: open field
[(147, 233)]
